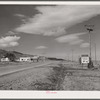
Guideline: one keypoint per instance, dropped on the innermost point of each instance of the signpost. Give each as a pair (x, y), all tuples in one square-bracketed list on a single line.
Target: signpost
[(84, 59)]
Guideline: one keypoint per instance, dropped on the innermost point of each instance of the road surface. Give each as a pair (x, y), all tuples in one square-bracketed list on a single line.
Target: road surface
[(49, 76), (26, 76), (20, 67)]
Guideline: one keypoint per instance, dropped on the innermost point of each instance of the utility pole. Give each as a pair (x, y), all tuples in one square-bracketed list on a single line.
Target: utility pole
[(68, 57), (95, 54), (72, 54), (89, 29)]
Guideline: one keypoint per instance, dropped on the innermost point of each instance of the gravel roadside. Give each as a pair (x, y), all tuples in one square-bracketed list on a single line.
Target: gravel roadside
[(81, 79), (55, 76), (47, 77)]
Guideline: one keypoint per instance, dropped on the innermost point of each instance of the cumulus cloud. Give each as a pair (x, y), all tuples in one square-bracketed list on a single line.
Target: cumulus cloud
[(54, 20), (84, 45), (71, 38), (41, 47), (9, 41)]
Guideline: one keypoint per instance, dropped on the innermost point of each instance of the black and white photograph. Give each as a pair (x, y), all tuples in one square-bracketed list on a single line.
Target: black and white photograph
[(50, 47)]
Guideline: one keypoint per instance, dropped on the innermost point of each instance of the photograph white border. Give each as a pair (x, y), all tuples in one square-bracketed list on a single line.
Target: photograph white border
[(50, 2), (5, 94)]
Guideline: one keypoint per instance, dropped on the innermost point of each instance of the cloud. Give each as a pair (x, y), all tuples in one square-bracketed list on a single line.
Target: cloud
[(23, 17), (41, 47), (54, 20), (71, 38), (78, 41), (11, 33), (20, 15), (84, 45), (9, 41)]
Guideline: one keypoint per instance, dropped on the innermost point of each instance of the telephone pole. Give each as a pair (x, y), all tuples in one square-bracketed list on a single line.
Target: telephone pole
[(67, 57), (89, 29), (95, 54), (72, 55)]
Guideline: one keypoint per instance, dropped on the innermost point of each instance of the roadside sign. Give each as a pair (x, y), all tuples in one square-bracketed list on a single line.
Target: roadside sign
[(84, 59)]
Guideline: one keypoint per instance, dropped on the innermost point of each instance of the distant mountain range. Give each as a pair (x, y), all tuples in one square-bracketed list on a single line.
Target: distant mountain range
[(17, 54)]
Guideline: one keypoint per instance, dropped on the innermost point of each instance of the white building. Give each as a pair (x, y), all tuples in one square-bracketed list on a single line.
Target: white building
[(35, 58), (5, 59), (28, 59)]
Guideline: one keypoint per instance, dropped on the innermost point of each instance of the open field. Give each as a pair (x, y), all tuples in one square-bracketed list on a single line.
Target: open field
[(82, 79), (49, 76)]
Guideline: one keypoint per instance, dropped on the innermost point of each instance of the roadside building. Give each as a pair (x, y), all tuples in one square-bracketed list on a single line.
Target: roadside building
[(42, 58), (24, 59), (35, 58), (4, 59)]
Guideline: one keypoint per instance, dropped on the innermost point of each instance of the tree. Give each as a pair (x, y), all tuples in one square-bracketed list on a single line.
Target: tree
[(90, 64), (80, 60), (10, 56)]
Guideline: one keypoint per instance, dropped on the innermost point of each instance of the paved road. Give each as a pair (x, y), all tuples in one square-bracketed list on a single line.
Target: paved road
[(26, 76), (20, 67)]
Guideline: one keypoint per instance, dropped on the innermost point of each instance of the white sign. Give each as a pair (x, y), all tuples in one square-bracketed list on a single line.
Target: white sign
[(84, 60)]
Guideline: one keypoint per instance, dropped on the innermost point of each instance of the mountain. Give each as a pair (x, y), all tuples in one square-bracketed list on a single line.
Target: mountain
[(17, 54)]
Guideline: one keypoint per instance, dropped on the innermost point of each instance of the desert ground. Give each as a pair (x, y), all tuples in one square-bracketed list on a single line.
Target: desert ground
[(49, 75)]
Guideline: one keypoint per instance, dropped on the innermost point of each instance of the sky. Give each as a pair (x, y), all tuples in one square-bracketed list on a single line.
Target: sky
[(54, 31)]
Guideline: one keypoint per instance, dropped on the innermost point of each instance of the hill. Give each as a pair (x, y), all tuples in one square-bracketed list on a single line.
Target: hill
[(17, 54), (2, 52)]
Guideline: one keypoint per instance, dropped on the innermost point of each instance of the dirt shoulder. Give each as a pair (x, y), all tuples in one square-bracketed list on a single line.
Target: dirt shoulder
[(55, 76), (48, 77), (81, 79)]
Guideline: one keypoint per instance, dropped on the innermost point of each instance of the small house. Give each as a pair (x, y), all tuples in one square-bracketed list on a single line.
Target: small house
[(24, 59), (4, 59), (35, 58)]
